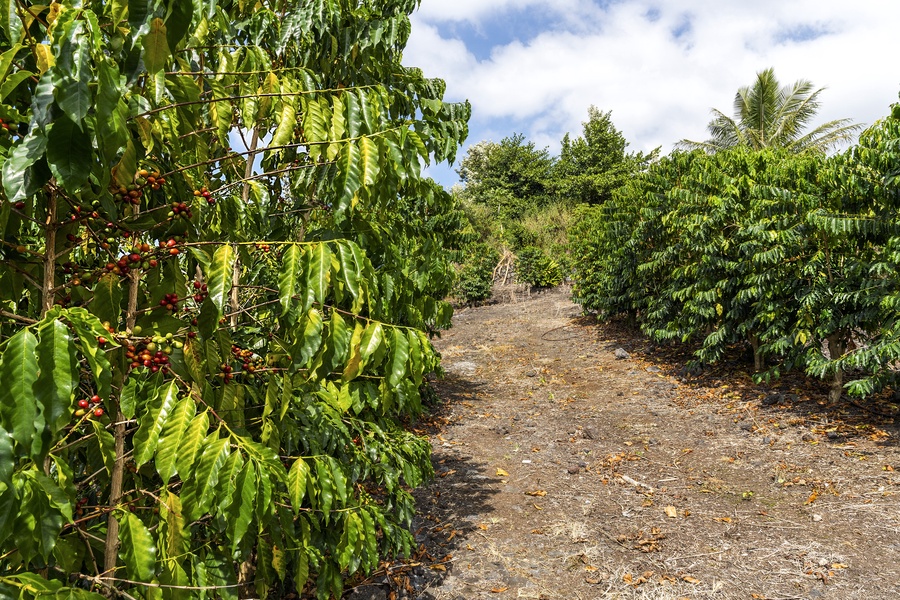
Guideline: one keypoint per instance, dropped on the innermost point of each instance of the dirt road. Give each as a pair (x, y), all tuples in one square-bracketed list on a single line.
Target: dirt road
[(566, 472)]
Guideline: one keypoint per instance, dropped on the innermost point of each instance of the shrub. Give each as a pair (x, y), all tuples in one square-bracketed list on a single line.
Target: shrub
[(535, 268), (476, 276)]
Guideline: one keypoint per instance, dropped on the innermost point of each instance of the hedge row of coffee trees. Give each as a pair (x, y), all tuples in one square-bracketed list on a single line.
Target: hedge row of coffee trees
[(220, 269), (789, 251)]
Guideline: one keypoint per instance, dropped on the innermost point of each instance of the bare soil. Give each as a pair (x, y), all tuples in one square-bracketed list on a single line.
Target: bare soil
[(566, 472)]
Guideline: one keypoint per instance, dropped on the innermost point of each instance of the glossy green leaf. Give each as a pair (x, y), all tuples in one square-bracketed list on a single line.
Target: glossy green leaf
[(289, 278), (146, 439), (69, 153), (171, 437), (19, 373), (297, 481), (156, 46), (58, 374), (107, 301), (399, 355), (192, 443), (241, 510), (219, 276), (137, 549)]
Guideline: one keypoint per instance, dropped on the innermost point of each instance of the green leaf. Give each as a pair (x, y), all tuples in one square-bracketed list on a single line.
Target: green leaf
[(19, 180), (287, 121), (58, 376), (146, 439), (289, 278), (318, 274), (371, 345), (90, 330), (156, 47), (171, 437), (12, 82), (19, 372), (298, 478), (137, 549), (107, 301), (369, 161), (192, 443), (240, 511), (219, 277), (398, 358), (348, 179), (107, 444), (198, 491), (69, 153)]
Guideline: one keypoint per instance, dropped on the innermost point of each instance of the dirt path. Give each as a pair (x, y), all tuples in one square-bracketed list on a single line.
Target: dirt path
[(565, 472)]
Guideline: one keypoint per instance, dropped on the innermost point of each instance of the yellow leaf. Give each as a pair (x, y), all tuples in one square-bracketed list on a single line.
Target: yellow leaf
[(839, 566), (627, 578), (723, 519), (812, 497), (499, 590), (502, 473), (539, 493), (671, 512)]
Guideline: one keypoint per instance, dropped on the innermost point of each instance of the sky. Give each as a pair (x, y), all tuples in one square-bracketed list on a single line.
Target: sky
[(535, 66)]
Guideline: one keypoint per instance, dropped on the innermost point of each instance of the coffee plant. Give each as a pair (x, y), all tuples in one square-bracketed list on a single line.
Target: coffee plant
[(220, 271), (792, 254)]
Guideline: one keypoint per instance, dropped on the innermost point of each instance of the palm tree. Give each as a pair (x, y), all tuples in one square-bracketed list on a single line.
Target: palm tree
[(769, 115)]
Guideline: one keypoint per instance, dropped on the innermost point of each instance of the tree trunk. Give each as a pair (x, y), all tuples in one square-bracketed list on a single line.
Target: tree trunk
[(836, 347), (759, 362)]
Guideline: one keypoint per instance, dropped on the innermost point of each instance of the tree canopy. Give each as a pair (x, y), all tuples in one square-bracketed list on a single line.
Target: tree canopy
[(769, 115)]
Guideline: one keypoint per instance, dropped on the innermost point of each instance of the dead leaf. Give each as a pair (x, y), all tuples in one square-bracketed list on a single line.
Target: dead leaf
[(538, 493), (482, 527), (502, 473), (627, 578), (812, 497), (438, 568), (671, 512), (690, 579), (723, 519), (450, 472), (839, 566), (499, 590), (537, 507)]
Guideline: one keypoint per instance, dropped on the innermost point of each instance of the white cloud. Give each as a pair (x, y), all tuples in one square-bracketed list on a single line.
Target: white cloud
[(660, 87)]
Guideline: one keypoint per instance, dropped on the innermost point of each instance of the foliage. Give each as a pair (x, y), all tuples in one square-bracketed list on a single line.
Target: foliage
[(591, 167), (768, 115), (207, 353), (793, 254), (537, 269), (476, 275), (510, 176)]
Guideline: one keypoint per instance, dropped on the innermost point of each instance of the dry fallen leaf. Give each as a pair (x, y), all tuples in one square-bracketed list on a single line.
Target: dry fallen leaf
[(812, 497), (839, 566), (482, 527), (502, 473), (690, 579), (723, 519), (499, 590), (627, 578), (671, 512), (539, 493), (438, 568)]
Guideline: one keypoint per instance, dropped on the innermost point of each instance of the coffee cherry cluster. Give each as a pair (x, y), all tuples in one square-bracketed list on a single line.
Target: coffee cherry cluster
[(89, 406), (152, 353), (133, 192), (250, 362), (200, 292), (170, 302), (226, 372), (263, 247), (7, 128), (206, 195), (170, 246), (180, 210)]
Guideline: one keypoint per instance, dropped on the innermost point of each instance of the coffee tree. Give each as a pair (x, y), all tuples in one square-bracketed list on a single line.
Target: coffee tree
[(220, 269)]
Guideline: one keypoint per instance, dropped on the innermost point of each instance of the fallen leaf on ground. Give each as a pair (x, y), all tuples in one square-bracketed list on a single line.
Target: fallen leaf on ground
[(539, 493), (723, 519), (502, 473), (438, 568), (812, 497), (839, 566), (499, 590), (690, 579), (671, 512)]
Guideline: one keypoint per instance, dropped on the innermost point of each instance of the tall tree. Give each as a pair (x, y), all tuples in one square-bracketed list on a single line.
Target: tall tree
[(510, 176), (769, 115), (591, 167)]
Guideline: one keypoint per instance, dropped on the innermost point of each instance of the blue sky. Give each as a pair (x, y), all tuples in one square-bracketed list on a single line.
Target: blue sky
[(535, 66)]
